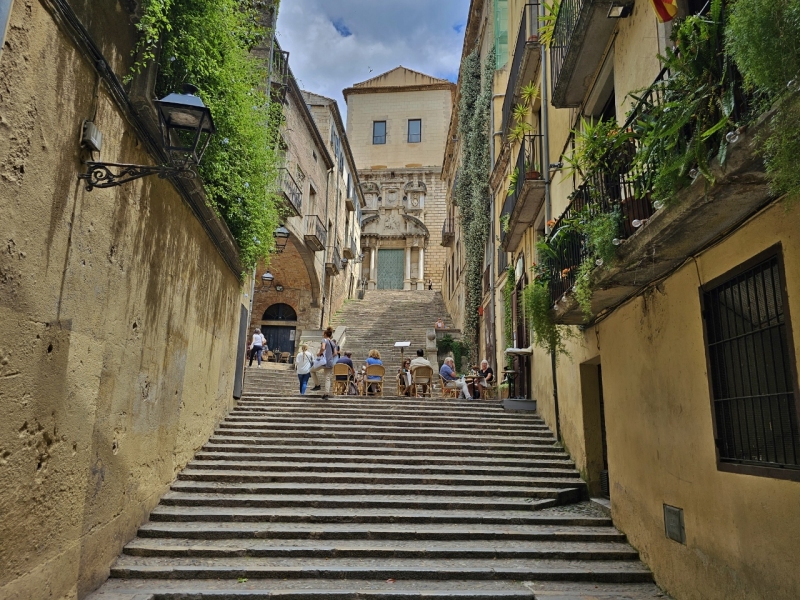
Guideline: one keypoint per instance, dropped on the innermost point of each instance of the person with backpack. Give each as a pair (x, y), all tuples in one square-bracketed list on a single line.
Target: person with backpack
[(303, 363), (324, 362)]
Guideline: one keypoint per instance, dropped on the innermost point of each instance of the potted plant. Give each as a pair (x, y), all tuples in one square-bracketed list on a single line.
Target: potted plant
[(532, 171), (505, 223)]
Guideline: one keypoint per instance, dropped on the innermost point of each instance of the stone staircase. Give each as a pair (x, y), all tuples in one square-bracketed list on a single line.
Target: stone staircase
[(381, 499), (384, 317)]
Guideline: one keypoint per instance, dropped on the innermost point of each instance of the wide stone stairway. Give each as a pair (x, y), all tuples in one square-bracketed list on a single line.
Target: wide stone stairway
[(384, 317), (377, 498)]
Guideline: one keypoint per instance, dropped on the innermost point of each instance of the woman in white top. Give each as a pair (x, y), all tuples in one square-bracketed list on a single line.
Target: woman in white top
[(257, 347), (303, 362)]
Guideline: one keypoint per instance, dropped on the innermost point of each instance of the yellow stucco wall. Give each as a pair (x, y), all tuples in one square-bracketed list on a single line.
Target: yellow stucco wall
[(396, 108), (741, 530), (118, 327)]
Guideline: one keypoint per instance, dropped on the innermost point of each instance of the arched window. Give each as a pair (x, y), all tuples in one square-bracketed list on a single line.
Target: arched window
[(279, 312)]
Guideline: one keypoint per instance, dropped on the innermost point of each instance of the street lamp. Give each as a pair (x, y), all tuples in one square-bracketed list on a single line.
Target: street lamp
[(281, 235), (186, 128), (267, 278)]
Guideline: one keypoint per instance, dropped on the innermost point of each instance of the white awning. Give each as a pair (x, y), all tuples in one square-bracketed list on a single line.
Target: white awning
[(526, 351)]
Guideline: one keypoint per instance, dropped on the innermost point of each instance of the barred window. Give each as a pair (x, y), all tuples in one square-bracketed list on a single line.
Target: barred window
[(751, 367)]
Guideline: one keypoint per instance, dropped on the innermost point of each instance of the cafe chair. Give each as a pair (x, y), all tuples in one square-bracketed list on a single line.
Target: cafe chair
[(376, 385), (422, 381)]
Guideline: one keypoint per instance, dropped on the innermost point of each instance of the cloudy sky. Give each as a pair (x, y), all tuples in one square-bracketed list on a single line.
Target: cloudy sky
[(336, 43)]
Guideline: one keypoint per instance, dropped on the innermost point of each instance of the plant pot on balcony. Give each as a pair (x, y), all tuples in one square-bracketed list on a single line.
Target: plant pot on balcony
[(533, 38), (531, 175)]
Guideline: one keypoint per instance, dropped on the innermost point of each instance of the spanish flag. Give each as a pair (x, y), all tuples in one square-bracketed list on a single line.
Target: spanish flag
[(666, 10)]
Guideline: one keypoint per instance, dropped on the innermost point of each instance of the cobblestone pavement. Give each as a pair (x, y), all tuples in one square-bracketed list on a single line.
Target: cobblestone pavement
[(386, 498)]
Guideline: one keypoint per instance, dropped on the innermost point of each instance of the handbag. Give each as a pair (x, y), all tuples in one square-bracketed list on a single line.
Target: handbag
[(319, 363)]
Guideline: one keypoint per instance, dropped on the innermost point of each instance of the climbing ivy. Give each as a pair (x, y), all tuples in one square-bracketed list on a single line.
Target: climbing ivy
[(208, 43), (472, 191)]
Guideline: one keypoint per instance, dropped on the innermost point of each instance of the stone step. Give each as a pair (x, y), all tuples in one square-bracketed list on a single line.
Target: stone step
[(365, 515), (429, 445), (339, 489), (203, 472), (298, 548), (411, 502), (215, 452), (573, 528), (360, 589), (395, 568), (242, 430), (237, 422), (417, 470), (456, 417)]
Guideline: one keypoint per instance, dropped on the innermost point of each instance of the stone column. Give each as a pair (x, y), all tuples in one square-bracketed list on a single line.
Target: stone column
[(421, 269), (373, 268), (407, 278)]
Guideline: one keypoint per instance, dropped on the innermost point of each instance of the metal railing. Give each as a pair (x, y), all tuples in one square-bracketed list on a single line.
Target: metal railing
[(291, 190), (502, 262), (337, 256), (354, 248), (626, 190), (528, 27), (316, 228), (567, 20), (528, 159)]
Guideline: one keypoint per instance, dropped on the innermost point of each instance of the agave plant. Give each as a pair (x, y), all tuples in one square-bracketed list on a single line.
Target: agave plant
[(517, 133), (529, 93), (520, 112)]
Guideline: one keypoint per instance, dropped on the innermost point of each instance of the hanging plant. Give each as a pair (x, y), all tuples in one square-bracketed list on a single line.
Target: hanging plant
[(529, 93), (547, 22)]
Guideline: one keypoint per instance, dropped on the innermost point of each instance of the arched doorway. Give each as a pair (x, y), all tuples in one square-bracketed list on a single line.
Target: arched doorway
[(280, 338)]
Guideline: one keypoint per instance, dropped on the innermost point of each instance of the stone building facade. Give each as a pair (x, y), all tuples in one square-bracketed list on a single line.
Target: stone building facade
[(397, 124)]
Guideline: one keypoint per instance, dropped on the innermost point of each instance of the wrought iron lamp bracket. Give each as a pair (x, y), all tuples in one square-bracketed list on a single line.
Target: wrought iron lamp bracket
[(106, 175)]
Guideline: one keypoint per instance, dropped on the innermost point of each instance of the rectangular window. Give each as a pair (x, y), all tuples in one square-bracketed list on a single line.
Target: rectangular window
[(414, 131), (379, 132), (751, 367)]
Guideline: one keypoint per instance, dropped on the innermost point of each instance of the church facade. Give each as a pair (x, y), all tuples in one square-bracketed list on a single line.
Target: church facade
[(397, 124)]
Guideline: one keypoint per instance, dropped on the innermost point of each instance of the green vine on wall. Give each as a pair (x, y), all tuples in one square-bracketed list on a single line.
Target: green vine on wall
[(472, 191), (208, 43), (448, 345)]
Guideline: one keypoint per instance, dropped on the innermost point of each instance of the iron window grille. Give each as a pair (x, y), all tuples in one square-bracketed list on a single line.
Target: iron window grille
[(379, 132), (752, 370), (414, 131)]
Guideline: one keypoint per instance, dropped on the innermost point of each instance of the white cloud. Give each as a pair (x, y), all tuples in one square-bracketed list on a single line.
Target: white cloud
[(336, 43)]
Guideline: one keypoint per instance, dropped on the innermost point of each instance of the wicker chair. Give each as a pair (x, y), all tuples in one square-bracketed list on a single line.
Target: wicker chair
[(422, 379), (374, 371), (284, 357), (446, 391), (340, 386), (268, 355)]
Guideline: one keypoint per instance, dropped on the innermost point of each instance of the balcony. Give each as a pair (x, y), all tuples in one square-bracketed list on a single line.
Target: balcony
[(522, 205), (334, 264), (448, 232), (526, 60), (316, 234), (582, 32), (653, 241), (279, 74), (292, 195), (350, 200), (351, 251)]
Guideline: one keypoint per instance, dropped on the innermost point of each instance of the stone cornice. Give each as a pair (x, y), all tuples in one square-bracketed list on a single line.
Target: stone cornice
[(429, 87)]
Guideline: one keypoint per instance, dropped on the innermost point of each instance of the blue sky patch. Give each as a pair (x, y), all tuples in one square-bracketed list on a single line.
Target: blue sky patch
[(343, 29)]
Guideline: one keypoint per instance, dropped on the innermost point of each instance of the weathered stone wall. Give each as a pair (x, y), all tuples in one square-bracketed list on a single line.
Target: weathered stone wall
[(118, 322)]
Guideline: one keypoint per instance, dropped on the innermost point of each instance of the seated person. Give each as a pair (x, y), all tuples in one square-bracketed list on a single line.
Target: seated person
[(420, 360), (439, 324), (486, 378), (374, 358), (403, 377), (448, 374), (346, 360)]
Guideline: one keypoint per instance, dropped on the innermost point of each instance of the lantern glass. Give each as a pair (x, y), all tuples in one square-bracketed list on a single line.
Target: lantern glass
[(281, 235), (186, 126)]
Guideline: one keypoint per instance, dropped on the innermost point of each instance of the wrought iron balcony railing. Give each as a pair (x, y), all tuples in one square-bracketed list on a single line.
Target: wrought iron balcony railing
[(316, 234), (448, 231), (334, 264), (524, 200), (525, 61), (291, 192)]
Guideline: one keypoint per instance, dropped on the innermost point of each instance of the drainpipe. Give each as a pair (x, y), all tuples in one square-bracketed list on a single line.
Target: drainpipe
[(548, 208), (325, 251), (492, 240)]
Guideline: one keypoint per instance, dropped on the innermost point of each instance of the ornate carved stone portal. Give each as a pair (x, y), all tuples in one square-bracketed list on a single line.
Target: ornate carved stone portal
[(394, 219)]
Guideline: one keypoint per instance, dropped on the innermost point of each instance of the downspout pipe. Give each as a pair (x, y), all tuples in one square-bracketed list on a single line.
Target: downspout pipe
[(548, 206), (545, 125)]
